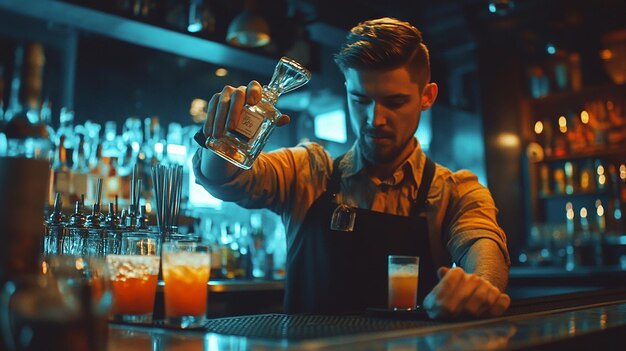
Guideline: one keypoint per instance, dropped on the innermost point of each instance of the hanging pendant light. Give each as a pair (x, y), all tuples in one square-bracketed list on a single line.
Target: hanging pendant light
[(194, 24), (248, 29)]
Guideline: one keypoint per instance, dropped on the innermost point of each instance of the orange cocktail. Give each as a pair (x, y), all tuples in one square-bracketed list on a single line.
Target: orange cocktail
[(134, 281), (186, 290), (403, 279), (134, 295), (186, 269), (403, 290)]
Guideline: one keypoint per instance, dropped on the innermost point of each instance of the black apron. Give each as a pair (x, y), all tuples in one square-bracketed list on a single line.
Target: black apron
[(332, 271)]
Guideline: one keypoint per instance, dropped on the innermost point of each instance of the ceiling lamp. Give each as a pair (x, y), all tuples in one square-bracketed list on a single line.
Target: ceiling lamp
[(195, 16), (248, 29)]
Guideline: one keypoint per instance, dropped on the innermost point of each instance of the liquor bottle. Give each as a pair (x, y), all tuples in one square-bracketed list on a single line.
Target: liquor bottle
[(621, 201), (614, 208), (26, 135), (587, 179), (600, 175), (61, 178), (54, 228), (80, 169), (112, 235), (143, 221), (66, 130), (244, 143), (92, 244), (258, 251), (96, 171), (71, 242), (570, 169)]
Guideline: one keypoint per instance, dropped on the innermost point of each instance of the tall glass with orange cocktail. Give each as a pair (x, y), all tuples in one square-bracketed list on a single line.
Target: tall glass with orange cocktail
[(403, 281), (134, 276), (186, 269)]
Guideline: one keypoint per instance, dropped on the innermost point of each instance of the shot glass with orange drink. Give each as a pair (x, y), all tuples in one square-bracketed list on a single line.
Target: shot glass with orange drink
[(134, 276), (403, 280), (186, 268)]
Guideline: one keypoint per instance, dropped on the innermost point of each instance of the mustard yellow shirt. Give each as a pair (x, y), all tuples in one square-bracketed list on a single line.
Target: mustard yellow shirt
[(288, 181)]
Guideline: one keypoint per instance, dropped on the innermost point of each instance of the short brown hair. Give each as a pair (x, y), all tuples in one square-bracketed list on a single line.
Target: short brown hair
[(385, 43)]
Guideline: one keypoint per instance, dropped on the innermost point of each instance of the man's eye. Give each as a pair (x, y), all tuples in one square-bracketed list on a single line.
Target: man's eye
[(395, 103), (361, 100)]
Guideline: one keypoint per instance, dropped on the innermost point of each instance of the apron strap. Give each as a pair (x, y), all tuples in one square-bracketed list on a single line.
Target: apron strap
[(334, 183), (428, 174)]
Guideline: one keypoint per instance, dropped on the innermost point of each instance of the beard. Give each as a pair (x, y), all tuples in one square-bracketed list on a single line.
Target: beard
[(380, 154)]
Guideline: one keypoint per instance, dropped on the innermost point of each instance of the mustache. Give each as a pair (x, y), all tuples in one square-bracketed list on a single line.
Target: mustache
[(377, 133)]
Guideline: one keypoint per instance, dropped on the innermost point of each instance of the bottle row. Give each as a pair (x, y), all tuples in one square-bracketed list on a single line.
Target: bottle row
[(582, 177), (252, 248), (600, 124)]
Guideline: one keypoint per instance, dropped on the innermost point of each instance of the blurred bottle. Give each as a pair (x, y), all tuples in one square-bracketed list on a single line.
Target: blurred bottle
[(258, 249), (559, 180), (45, 116), (617, 197), (70, 242), (66, 131), (229, 242), (244, 262), (208, 231), (544, 172), (622, 177), (112, 183), (23, 190), (110, 145), (96, 172), (3, 137), (570, 170), (26, 135), (61, 178), (587, 178), (571, 260), (2, 85), (600, 175), (80, 170), (278, 251), (539, 83), (54, 229)]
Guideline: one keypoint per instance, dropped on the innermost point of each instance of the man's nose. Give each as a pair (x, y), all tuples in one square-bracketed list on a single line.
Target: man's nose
[(375, 115)]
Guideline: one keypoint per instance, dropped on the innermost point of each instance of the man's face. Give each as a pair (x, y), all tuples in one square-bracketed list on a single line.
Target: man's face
[(385, 108)]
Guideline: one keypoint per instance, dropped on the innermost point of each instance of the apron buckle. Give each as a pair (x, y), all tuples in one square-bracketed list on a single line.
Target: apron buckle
[(343, 218)]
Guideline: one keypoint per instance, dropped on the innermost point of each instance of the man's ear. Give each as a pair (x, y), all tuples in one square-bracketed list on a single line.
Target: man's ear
[(429, 95)]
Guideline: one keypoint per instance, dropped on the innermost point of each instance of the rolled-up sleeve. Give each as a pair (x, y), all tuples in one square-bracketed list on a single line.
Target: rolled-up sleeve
[(471, 216), (286, 180)]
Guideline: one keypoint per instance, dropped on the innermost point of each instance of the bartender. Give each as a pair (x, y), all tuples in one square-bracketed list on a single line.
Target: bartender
[(399, 201)]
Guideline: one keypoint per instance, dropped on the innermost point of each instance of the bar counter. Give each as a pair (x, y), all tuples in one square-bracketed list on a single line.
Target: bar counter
[(583, 320)]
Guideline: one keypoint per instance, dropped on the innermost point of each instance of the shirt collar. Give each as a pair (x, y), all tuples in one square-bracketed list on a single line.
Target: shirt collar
[(353, 164)]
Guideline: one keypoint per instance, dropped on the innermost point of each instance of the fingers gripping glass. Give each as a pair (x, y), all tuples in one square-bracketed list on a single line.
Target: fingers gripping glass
[(343, 218)]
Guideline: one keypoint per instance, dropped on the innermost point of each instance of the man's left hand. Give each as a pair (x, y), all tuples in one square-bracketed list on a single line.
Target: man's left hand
[(460, 294)]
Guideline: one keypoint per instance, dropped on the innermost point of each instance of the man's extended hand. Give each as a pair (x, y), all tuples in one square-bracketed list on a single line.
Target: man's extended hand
[(459, 294), (225, 108)]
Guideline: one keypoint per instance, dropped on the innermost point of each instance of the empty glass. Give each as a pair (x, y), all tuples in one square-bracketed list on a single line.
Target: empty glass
[(64, 308)]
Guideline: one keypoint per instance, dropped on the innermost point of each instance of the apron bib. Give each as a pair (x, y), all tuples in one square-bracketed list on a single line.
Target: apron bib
[(331, 271)]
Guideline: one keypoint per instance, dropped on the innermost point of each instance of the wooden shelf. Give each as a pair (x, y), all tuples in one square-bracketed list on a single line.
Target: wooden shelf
[(577, 194), (592, 92), (614, 151)]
